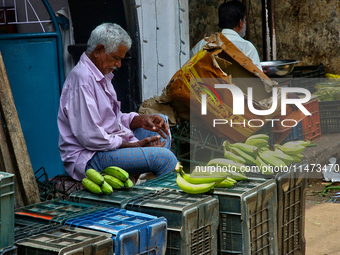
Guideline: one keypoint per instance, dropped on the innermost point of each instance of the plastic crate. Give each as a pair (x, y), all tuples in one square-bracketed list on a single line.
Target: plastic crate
[(311, 124), (23, 228), (291, 191), (54, 211), (132, 232), (118, 199), (9, 251), (330, 116), (165, 181), (248, 223), (192, 219), (67, 240), (195, 144), (307, 76), (247, 211), (295, 134), (6, 210)]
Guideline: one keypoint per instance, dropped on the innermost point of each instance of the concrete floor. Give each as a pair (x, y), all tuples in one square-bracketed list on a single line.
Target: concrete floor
[(322, 221)]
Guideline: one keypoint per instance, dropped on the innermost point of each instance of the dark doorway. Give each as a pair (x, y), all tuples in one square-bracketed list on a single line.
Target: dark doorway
[(86, 15)]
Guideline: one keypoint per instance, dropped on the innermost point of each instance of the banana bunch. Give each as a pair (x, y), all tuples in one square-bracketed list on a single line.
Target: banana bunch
[(201, 183), (330, 75), (255, 152), (111, 178)]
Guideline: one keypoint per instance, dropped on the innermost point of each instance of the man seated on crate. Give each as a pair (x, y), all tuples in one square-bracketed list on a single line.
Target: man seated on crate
[(232, 21), (93, 132)]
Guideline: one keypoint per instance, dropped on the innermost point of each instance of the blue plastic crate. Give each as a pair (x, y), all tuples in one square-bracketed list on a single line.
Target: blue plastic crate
[(132, 232), (6, 210), (295, 134)]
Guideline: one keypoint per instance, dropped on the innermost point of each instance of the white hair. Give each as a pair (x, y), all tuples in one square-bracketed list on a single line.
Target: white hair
[(110, 35)]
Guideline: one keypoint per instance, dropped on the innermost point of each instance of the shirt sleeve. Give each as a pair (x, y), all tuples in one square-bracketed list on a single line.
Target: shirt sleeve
[(254, 56), (126, 118), (85, 123)]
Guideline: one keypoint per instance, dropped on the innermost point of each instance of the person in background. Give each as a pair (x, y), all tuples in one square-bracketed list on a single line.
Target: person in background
[(93, 132), (232, 21)]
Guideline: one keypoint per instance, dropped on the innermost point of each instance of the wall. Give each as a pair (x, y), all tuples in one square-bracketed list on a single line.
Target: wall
[(306, 30)]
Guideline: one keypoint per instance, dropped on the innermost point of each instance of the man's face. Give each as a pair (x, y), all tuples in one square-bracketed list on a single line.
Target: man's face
[(107, 63), (244, 27)]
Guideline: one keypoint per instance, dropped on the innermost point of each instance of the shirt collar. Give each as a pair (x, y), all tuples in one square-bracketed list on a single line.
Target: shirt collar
[(97, 74), (230, 32)]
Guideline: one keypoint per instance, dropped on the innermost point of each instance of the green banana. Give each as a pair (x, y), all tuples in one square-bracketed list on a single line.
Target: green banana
[(296, 159), (202, 178), (178, 167), (299, 155), (227, 183), (271, 160), (193, 188), (258, 136), (281, 155), (299, 142), (106, 188), (225, 162), (250, 160), (291, 149), (233, 157), (249, 149), (226, 167), (263, 167), (259, 143), (128, 184), (94, 176), (91, 186), (114, 182), (117, 172)]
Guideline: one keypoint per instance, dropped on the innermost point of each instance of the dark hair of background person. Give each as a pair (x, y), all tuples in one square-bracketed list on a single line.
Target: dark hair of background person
[(230, 13)]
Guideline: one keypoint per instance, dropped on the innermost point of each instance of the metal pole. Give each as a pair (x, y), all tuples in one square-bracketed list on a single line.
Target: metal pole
[(271, 8)]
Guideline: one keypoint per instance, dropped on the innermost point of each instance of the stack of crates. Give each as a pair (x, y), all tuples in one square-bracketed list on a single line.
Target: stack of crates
[(7, 246), (66, 240), (132, 232), (291, 198), (247, 214), (311, 126), (330, 116), (192, 219)]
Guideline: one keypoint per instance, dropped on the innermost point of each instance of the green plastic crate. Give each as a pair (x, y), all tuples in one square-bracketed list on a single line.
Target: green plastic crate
[(192, 220), (67, 240), (291, 211), (329, 112), (118, 199), (247, 214), (54, 211), (6, 211)]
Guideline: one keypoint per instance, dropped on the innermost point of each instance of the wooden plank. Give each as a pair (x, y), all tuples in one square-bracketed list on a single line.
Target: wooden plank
[(6, 165), (22, 163)]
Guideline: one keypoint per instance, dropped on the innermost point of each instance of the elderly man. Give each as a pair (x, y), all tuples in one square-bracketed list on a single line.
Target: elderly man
[(232, 19), (94, 133)]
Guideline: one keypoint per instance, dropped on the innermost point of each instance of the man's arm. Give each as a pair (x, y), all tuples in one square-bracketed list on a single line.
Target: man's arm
[(151, 122)]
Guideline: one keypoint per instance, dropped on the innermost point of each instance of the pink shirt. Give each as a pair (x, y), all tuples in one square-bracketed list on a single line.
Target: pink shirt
[(89, 117)]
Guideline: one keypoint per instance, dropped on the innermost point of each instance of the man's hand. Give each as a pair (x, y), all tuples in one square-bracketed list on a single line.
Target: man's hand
[(153, 141), (151, 122)]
